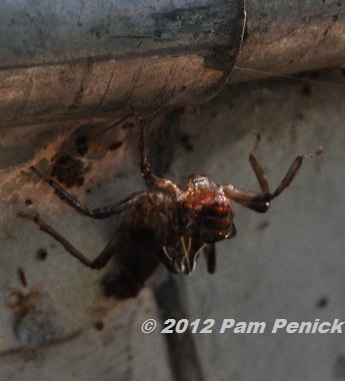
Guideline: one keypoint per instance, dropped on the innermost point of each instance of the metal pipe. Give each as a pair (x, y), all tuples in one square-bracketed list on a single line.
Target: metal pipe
[(68, 59), (61, 60), (290, 36)]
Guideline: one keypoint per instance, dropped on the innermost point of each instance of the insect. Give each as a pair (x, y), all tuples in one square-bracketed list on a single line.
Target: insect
[(167, 224)]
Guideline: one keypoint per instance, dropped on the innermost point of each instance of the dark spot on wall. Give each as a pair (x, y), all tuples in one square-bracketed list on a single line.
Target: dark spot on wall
[(22, 277), (339, 367), (82, 145), (99, 325), (68, 171), (115, 145), (41, 254), (306, 89), (322, 302), (186, 142)]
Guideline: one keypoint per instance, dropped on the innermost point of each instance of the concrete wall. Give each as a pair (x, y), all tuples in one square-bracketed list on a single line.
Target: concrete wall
[(288, 263)]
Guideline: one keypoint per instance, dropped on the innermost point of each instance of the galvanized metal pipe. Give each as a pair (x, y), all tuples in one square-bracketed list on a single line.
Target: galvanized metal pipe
[(61, 60), (289, 36), (68, 59)]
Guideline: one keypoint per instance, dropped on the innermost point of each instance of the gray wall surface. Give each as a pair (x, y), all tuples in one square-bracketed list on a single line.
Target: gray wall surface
[(288, 263)]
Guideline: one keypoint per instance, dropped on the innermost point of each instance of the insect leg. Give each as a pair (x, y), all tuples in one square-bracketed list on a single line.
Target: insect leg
[(258, 170), (148, 176), (210, 255), (97, 213), (151, 179), (260, 201), (99, 262), (292, 172), (253, 200), (290, 175)]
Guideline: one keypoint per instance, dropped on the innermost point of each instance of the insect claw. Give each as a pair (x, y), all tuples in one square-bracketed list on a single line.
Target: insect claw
[(256, 144), (319, 151)]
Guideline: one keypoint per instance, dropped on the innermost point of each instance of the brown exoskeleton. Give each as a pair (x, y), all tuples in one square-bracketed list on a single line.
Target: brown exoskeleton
[(166, 223)]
